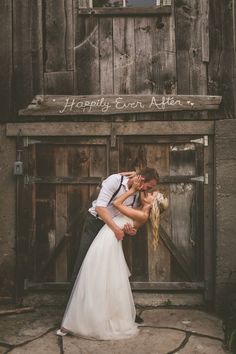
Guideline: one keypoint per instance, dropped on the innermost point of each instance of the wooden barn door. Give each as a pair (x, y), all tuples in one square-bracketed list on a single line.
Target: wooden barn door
[(179, 258), (61, 175)]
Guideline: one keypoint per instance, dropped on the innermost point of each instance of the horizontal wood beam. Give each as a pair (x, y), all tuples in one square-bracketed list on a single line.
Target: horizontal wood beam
[(64, 105), (105, 129), (125, 11), (97, 180), (165, 286), (151, 286), (62, 180)]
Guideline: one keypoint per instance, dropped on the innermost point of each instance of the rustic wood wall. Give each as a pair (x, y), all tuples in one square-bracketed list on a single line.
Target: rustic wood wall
[(47, 48)]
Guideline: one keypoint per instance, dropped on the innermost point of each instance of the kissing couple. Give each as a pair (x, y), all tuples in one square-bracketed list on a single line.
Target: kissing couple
[(101, 304)]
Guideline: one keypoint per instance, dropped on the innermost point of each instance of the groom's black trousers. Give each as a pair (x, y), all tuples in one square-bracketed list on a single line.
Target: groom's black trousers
[(92, 226)]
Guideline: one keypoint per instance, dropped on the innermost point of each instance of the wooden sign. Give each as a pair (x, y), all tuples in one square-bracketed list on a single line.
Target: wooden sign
[(117, 104)]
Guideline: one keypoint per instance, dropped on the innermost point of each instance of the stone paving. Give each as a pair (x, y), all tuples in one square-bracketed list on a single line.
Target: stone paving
[(165, 331)]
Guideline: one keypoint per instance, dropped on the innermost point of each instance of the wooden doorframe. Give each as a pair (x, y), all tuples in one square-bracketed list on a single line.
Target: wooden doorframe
[(162, 129)]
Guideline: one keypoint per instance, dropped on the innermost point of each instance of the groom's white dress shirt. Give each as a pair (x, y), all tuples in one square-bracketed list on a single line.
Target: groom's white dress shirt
[(109, 187)]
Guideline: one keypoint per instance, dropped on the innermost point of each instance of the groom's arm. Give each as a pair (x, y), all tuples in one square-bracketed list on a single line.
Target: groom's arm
[(106, 217), (109, 187)]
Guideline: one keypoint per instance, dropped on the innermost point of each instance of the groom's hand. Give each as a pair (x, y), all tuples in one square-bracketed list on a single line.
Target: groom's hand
[(119, 233), (129, 229)]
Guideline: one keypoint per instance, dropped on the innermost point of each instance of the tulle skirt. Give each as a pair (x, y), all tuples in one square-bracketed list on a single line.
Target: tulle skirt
[(101, 304)]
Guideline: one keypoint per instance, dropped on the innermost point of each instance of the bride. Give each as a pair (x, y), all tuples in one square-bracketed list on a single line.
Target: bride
[(101, 304)]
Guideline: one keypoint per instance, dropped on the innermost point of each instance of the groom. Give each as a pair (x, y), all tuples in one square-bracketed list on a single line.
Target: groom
[(102, 211)]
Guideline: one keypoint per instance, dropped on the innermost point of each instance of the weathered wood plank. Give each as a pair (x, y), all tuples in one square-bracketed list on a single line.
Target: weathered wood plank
[(62, 180), (182, 286), (204, 6), (127, 11), (176, 253), (61, 213), (163, 64), (87, 55), (221, 72), (5, 58), (106, 55), (191, 71), (175, 286), (78, 196), (59, 83), (183, 199), (45, 227), (59, 38), (114, 104), (124, 55), (159, 260), (104, 129), (27, 51), (209, 239), (143, 55)]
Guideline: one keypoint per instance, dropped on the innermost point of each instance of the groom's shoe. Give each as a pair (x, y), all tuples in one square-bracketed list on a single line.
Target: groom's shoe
[(138, 319)]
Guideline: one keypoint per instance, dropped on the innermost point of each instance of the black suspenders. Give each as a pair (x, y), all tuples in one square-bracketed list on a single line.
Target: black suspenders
[(117, 191)]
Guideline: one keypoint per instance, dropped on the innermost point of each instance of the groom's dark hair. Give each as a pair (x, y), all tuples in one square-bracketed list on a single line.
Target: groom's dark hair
[(149, 173)]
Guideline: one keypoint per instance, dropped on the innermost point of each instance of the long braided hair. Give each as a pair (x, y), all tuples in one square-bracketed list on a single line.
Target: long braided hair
[(160, 203)]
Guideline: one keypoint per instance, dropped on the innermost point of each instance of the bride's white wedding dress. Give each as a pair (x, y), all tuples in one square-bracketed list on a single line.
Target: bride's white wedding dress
[(101, 304)]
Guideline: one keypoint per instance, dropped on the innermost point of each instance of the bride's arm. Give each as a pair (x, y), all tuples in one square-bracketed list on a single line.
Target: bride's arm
[(134, 214), (137, 215)]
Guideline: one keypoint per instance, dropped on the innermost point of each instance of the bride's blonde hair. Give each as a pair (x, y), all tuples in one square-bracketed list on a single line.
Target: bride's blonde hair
[(160, 203)]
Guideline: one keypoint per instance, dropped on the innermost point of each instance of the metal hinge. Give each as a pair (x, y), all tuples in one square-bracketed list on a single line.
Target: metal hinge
[(203, 140), (203, 179), (28, 141), (31, 179)]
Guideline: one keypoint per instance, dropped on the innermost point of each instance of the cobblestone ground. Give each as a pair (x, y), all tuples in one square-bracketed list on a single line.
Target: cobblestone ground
[(165, 331)]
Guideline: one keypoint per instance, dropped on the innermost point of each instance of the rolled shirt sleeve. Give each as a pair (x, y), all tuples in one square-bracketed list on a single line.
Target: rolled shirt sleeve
[(109, 187)]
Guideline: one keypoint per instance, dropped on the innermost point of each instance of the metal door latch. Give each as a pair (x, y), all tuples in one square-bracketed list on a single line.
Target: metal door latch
[(203, 179), (203, 140)]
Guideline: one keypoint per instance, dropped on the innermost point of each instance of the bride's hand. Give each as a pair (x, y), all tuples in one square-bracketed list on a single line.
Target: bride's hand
[(137, 183), (129, 174), (129, 230)]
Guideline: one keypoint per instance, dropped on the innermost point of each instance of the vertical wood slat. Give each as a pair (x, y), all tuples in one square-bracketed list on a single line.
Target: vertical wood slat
[(221, 78), (23, 214), (159, 260), (87, 55), (27, 51), (5, 58), (124, 55), (60, 83), (209, 239), (182, 162), (143, 46), (45, 225), (29, 168), (78, 166), (204, 5), (191, 71), (200, 211), (61, 169), (59, 35), (234, 41), (106, 54), (164, 55)]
